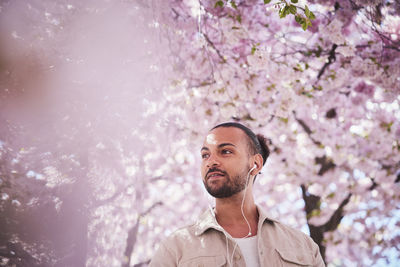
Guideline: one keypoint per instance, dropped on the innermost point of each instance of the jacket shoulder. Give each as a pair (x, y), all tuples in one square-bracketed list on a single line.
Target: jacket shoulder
[(169, 252), (296, 237), (179, 237)]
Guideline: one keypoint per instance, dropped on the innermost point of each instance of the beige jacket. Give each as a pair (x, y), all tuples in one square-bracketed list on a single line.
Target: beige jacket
[(206, 243)]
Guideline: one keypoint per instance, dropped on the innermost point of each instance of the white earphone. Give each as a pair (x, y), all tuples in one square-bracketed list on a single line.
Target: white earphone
[(244, 217), (254, 166)]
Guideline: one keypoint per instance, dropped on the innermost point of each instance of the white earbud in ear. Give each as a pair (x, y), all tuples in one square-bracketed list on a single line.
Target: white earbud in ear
[(254, 166)]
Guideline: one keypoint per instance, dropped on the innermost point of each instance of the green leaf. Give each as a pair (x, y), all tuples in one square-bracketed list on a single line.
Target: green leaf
[(271, 87), (239, 18), (287, 11), (285, 120), (228, 104), (319, 51), (283, 12), (267, 1), (247, 117), (308, 94), (304, 25), (253, 50), (307, 12), (315, 213), (312, 16), (299, 19), (219, 4), (233, 5), (331, 195), (317, 88), (294, 1), (293, 9), (298, 68), (387, 126)]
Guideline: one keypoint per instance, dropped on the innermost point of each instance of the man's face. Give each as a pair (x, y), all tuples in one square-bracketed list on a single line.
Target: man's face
[(225, 161)]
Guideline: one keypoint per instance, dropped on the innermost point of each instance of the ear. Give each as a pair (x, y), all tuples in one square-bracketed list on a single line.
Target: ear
[(258, 162)]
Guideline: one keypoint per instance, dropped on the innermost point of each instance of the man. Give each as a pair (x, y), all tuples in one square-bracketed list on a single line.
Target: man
[(236, 232)]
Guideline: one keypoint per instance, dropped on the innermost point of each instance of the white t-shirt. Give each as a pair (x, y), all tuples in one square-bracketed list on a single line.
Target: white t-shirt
[(249, 249)]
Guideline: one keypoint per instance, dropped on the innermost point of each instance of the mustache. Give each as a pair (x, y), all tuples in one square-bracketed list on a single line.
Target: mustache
[(215, 170)]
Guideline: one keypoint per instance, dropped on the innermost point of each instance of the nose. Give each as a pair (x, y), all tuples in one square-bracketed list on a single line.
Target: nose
[(212, 161)]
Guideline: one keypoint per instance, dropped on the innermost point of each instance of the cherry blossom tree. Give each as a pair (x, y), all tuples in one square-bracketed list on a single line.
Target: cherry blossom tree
[(104, 105), (327, 99)]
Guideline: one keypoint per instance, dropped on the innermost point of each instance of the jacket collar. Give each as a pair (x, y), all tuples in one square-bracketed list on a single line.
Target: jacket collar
[(207, 221)]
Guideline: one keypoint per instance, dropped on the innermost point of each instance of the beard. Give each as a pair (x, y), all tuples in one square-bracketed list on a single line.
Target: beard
[(229, 187)]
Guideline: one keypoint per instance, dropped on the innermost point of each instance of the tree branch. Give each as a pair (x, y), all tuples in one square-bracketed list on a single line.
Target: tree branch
[(132, 236), (213, 46), (326, 164), (331, 59), (337, 216), (312, 202), (392, 47), (102, 202), (306, 129)]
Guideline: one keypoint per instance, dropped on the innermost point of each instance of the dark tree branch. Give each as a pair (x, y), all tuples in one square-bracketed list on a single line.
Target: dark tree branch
[(202, 84), (306, 129), (337, 216), (132, 236), (393, 168), (177, 15), (130, 243), (373, 186), (213, 46), (312, 202), (331, 59), (326, 164), (392, 47)]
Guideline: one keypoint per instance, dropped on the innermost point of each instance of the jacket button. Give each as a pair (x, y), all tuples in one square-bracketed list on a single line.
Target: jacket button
[(237, 257)]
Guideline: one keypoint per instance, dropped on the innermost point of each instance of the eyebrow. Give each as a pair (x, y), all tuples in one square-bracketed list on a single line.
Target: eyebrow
[(219, 146)]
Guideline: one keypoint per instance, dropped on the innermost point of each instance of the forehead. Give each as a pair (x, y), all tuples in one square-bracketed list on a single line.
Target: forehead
[(221, 135)]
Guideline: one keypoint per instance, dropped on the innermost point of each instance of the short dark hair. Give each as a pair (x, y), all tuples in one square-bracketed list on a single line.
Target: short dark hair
[(257, 143)]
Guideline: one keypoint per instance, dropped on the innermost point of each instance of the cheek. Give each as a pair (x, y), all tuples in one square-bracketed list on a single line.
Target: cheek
[(239, 168)]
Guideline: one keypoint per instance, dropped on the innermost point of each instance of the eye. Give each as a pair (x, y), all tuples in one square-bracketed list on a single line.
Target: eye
[(226, 151), (204, 156)]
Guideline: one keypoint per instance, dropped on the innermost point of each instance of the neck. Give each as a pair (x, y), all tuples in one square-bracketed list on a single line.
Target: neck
[(229, 215)]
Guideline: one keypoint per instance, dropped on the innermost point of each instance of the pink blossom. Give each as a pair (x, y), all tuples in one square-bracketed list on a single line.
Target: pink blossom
[(397, 132), (365, 88)]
